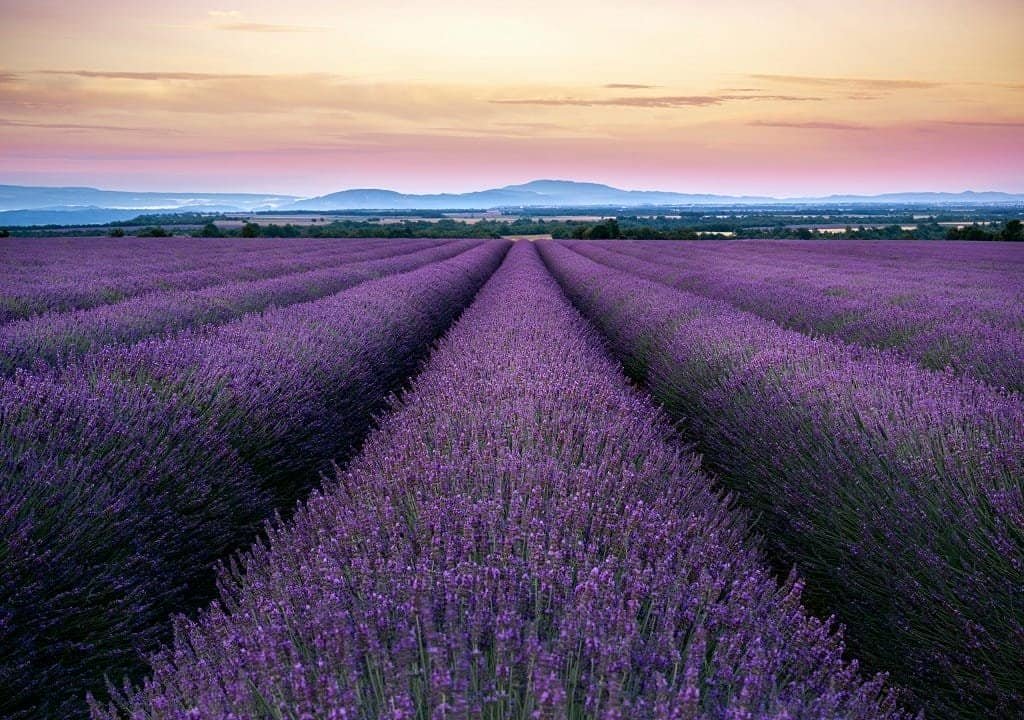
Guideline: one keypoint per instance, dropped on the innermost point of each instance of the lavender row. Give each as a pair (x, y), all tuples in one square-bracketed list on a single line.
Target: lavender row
[(980, 288), (896, 491), (54, 338), (58, 274), (55, 252), (941, 318), (984, 290), (520, 539), (125, 476), (98, 280), (61, 255), (982, 255), (904, 257)]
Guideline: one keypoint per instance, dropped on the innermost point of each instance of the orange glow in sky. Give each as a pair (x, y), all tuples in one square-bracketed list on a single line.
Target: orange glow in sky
[(734, 96)]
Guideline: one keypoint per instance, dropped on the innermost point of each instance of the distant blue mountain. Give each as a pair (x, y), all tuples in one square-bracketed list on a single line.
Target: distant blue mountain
[(64, 216), (94, 215), (24, 205), (22, 197), (968, 197), (566, 193), (539, 193)]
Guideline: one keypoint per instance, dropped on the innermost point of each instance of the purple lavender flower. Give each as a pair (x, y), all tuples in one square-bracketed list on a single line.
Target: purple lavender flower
[(960, 308), (896, 491), (522, 538), (61, 274), (126, 475), (57, 336)]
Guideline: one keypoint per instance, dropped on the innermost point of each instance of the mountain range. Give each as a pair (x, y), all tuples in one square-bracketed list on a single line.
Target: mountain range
[(27, 205), (567, 193), (26, 197)]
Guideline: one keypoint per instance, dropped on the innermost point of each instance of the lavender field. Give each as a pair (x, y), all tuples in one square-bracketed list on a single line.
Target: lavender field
[(382, 478)]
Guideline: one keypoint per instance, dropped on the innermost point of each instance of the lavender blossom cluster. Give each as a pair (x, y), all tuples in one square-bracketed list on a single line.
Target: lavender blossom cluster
[(126, 475), (55, 337), (62, 274), (897, 491), (963, 310), (522, 538)]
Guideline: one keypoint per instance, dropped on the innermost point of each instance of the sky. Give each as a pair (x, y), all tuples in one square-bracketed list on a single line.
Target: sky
[(731, 96)]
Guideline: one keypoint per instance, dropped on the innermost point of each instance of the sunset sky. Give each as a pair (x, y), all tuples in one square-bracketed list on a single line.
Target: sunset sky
[(731, 96)]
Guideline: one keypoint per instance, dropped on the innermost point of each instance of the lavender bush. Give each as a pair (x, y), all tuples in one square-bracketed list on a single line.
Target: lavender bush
[(963, 310), (521, 539), (124, 477), (55, 337), (61, 274), (896, 491)]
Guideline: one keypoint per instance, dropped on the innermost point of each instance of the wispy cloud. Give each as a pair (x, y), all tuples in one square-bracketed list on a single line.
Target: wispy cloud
[(74, 92), (518, 130), (628, 86), (81, 126), (809, 125), (235, 21), (848, 83), (661, 101), (534, 125), (154, 76), (917, 127), (646, 102), (255, 27), (985, 123)]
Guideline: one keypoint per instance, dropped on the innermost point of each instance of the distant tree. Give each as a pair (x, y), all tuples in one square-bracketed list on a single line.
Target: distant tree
[(804, 234), (5, 233), (604, 230), (1013, 232), (210, 230), (971, 232), (117, 232), (642, 232), (929, 231), (280, 231), (250, 230), (156, 231), (189, 218)]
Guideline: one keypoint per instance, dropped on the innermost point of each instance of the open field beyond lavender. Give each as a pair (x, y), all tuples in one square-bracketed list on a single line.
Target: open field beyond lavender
[(322, 478)]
